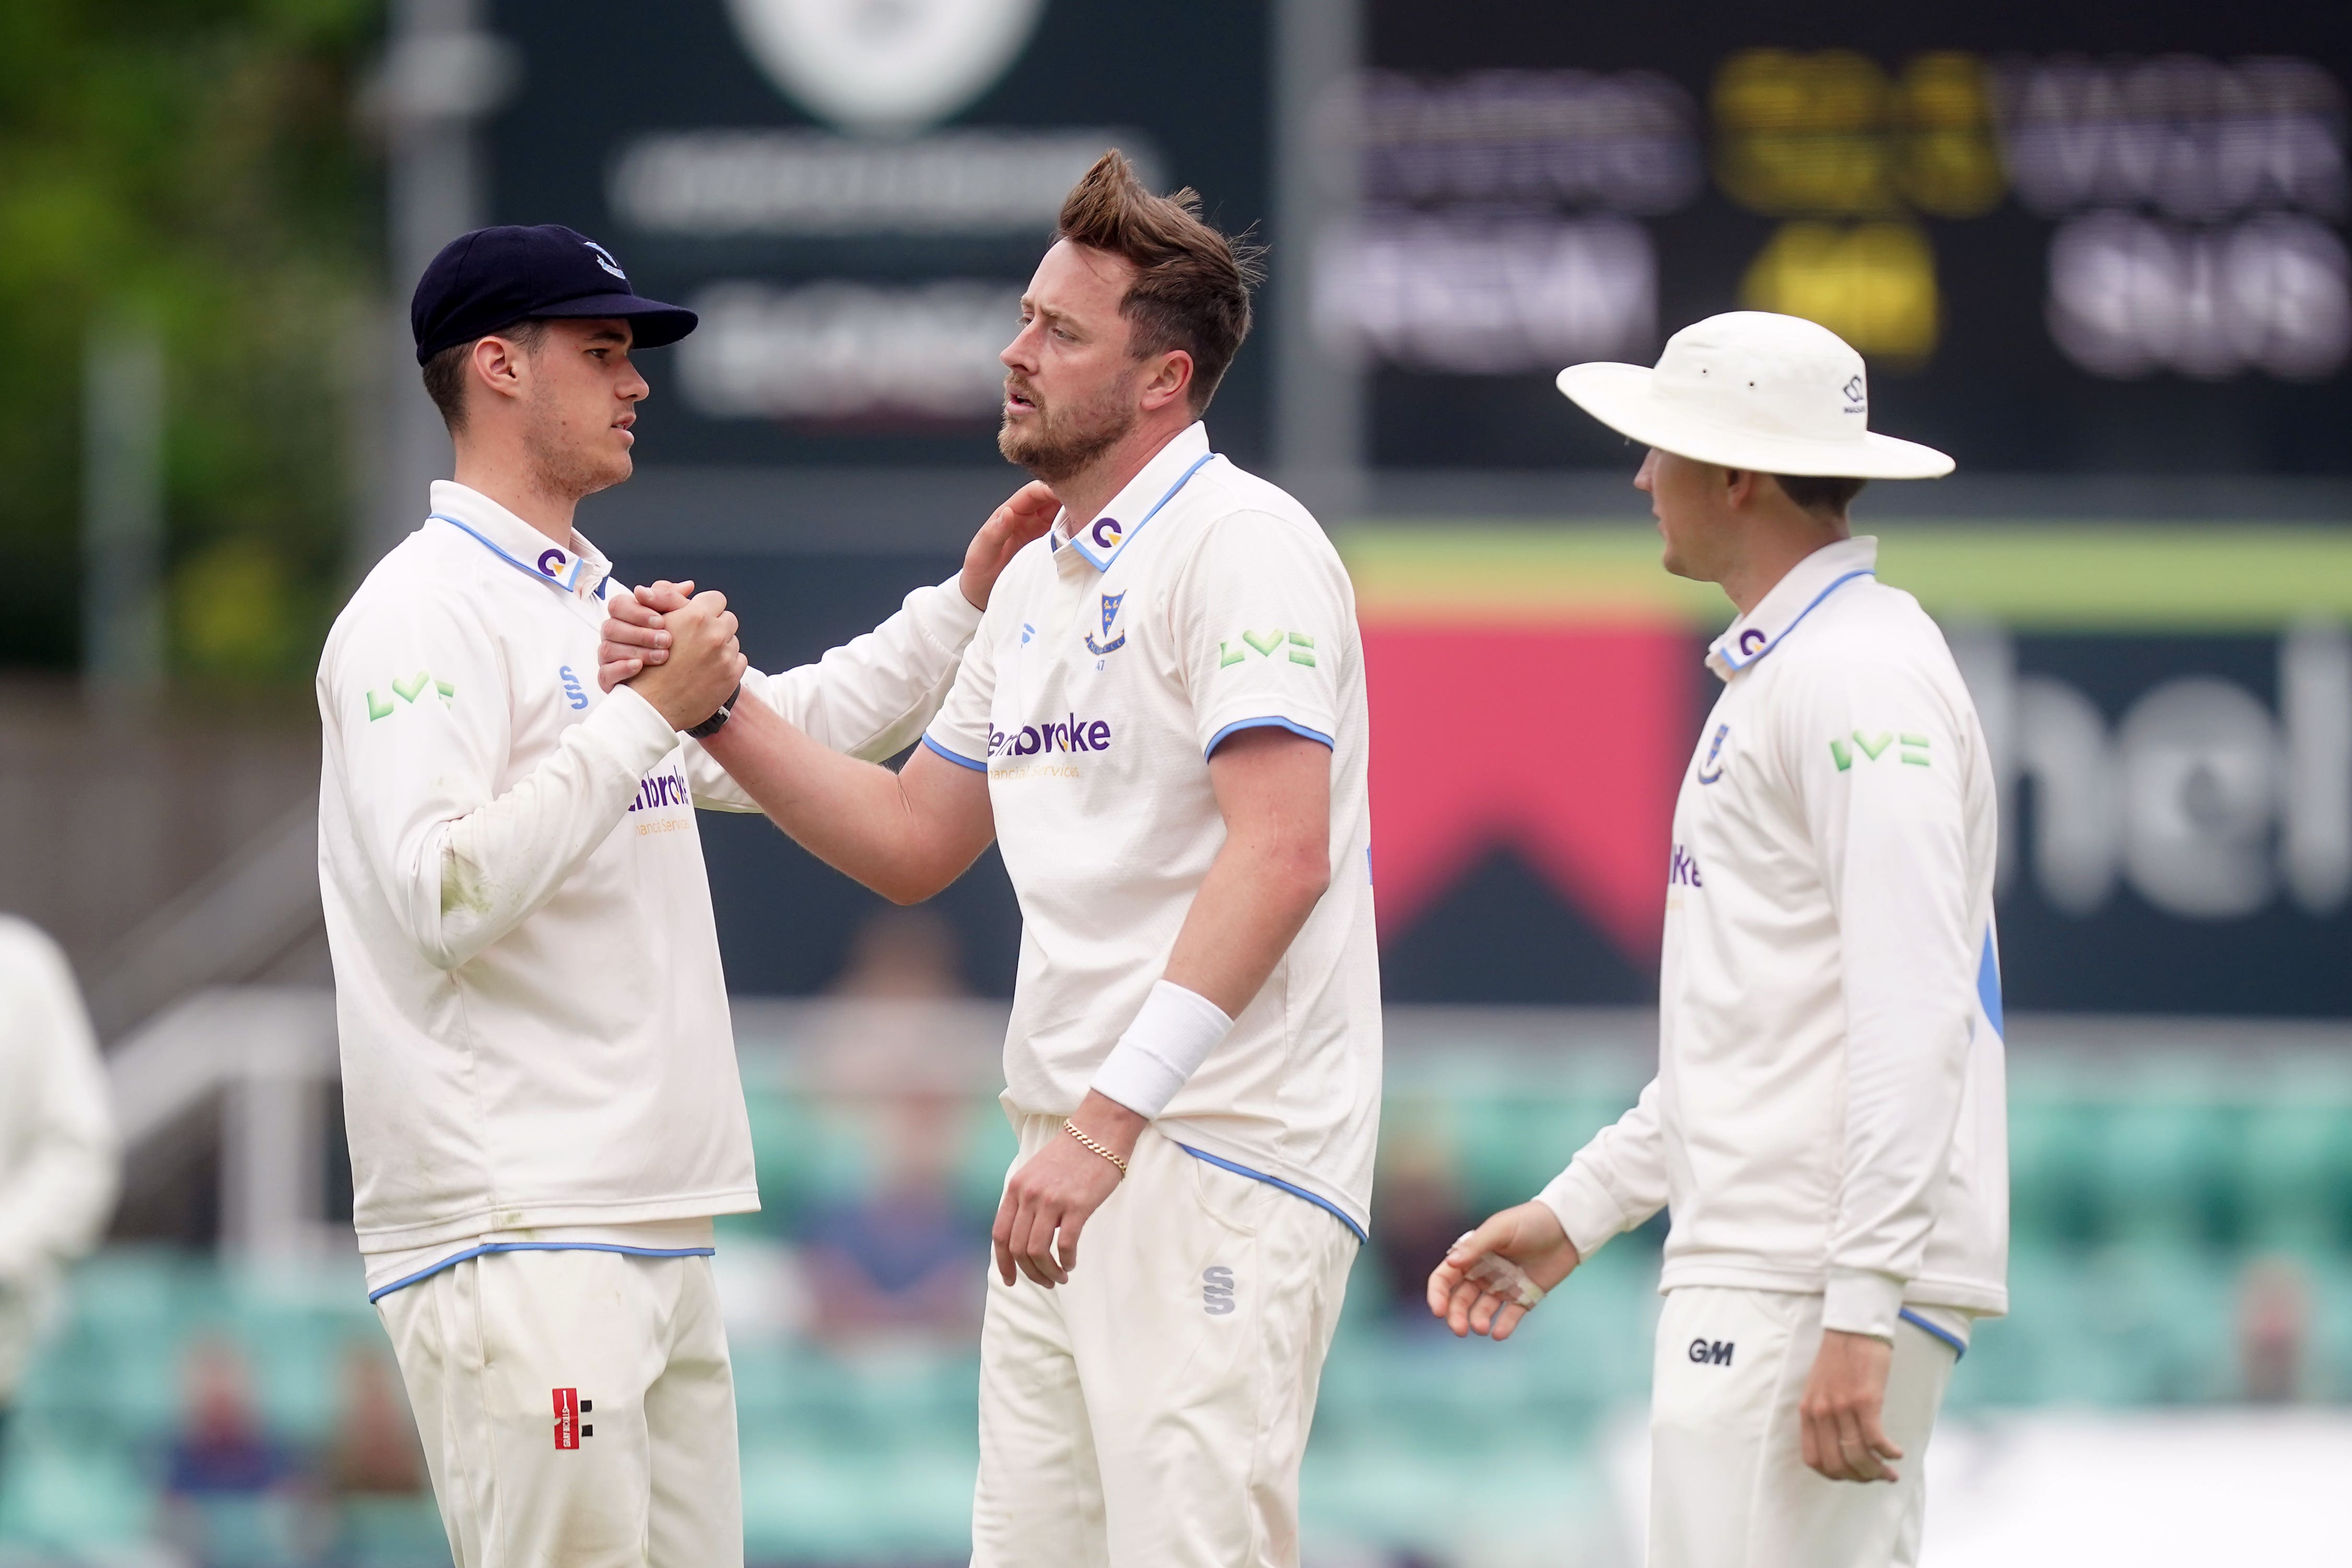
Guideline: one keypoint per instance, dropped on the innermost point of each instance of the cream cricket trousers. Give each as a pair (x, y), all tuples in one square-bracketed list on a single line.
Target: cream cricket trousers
[(1152, 1413), (577, 1407), (1728, 1486)]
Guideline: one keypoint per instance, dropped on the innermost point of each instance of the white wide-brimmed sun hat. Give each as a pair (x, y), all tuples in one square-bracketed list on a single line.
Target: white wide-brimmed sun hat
[(1753, 390)]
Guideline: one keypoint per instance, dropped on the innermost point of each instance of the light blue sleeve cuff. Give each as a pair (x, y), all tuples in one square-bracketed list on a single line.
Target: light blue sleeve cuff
[(958, 760), (1271, 720)]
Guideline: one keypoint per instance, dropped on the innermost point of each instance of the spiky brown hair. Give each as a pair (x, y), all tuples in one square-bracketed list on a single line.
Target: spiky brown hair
[(1191, 288)]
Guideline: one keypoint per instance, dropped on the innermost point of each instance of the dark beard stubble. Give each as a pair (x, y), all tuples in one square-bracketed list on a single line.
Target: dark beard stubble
[(1058, 446), (562, 468)]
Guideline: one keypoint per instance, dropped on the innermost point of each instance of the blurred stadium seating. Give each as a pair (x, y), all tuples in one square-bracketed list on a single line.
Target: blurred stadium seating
[(2146, 1187)]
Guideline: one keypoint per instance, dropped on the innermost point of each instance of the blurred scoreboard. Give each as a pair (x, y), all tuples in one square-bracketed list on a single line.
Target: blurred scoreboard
[(2068, 236), (853, 193)]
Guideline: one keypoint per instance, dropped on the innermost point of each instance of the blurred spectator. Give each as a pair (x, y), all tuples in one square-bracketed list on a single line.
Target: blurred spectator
[(375, 1451), (232, 1498), (58, 1162), (382, 1512), (903, 1257), (900, 955), (901, 1021), (1418, 1211), (2273, 1330), (222, 1449)]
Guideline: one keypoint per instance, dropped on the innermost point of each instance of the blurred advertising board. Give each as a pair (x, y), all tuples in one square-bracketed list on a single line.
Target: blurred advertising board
[(2068, 237), (2170, 712), (2169, 709), (854, 195)]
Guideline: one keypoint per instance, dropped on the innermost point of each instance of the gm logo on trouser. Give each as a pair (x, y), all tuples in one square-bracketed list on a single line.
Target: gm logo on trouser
[(1728, 1486)]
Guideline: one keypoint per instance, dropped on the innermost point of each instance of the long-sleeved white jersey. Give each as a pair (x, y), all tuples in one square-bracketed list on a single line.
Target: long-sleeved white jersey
[(57, 1163), (536, 1043), (1829, 1110)]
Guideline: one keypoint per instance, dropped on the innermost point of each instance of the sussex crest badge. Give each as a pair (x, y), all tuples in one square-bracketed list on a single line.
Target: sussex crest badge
[(1714, 750), (1111, 602)]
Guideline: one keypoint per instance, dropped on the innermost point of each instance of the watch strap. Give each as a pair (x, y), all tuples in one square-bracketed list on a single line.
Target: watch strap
[(717, 721)]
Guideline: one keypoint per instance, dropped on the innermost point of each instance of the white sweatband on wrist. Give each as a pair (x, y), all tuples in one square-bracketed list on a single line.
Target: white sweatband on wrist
[(1165, 1045)]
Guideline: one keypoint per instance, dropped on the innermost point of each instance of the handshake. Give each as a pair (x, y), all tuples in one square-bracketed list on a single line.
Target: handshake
[(676, 648)]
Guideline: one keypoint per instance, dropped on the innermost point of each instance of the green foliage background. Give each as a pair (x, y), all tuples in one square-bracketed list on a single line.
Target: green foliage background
[(199, 164)]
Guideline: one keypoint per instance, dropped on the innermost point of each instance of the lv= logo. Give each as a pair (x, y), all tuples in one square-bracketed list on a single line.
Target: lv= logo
[(409, 691), (1264, 644), (1914, 749)]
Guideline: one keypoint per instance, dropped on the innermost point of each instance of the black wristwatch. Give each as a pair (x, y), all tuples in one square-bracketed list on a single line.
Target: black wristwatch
[(717, 721)]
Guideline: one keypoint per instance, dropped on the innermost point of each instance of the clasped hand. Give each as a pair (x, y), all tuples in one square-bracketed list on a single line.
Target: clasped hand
[(674, 647), (641, 631)]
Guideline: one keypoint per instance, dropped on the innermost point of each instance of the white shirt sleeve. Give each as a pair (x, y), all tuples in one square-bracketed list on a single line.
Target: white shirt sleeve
[(1876, 755), (415, 697), (57, 1185), (869, 698), (961, 731), (1260, 614), (1616, 1181)]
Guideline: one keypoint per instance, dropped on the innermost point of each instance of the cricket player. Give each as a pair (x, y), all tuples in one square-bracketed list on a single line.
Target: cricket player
[(1161, 721), (538, 1073), (1827, 1125), (57, 1155)]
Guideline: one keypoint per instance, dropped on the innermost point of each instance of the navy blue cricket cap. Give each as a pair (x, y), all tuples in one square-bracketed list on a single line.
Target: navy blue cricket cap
[(493, 277)]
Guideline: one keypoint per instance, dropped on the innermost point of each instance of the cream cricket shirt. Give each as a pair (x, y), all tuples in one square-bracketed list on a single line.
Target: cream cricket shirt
[(58, 1153), (1203, 602), (1828, 1114), (535, 1037)]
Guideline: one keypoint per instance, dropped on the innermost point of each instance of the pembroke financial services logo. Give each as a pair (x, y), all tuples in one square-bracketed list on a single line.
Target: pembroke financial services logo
[(1069, 733), (885, 66), (661, 791)]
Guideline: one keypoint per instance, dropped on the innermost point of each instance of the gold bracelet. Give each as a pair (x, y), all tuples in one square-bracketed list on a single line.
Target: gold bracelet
[(1072, 1129)]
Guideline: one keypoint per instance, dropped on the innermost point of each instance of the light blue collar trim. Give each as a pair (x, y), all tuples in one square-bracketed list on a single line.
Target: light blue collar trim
[(1727, 652), (1797, 593), (546, 571), (1101, 541)]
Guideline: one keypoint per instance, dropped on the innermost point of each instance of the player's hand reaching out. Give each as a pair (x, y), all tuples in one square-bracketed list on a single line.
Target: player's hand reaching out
[(1028, 515), (1056, 1190), (1840, 1412), (636, 637), (700, 662), (1482, 1287)]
